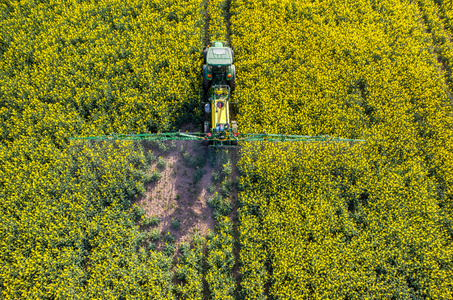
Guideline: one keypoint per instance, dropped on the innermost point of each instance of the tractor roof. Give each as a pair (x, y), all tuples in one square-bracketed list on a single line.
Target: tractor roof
[(220, 56)]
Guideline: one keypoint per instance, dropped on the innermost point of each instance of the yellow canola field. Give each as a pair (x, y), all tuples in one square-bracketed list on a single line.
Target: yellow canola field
[(446, 11), (220, 261), (336, 221), (217, 20), (330, 221), (90, 68), (124, 68), (437, 17)]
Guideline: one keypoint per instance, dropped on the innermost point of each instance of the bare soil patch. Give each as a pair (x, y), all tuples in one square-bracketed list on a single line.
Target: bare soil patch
[(180, 194)]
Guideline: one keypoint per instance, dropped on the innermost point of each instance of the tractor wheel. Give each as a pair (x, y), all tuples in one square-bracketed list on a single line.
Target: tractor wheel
[(206, 82), (232, 82), (205, 53), (202, 71), (234, 126), (206, 130)]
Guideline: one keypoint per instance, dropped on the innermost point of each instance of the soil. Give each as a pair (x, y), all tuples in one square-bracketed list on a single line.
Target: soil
[(178, 196)]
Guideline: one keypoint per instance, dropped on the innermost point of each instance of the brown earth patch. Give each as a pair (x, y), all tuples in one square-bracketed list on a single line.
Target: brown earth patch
[(178, 195), (183, 191)]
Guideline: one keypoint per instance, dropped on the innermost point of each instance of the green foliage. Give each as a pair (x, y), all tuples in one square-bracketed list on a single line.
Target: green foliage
[(221, 261), (210, 235), (151, 247), (154, 235), (163, 147), (182, 273), (151, 221), (184, 248), (227, 168), (151, 178), (211, 189), (175, 224), (226, 187), (150, 157), (169, 238), (221, 206), (212, 156), (137, 212), (216, 177), (140, 239), (190, 269), (196, 162), (161, 163), (181, 150), (156, 176), (168, 249), (198, 175)]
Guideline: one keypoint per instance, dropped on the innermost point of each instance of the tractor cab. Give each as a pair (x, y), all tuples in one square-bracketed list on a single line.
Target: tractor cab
[(218, 65), (219, 56)]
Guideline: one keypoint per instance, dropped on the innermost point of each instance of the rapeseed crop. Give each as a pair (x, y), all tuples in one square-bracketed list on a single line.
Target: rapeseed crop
[(319, 220), (90, 68), (336, 221)]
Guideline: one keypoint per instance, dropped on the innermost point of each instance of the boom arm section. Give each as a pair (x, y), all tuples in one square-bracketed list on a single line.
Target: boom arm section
[(244, 137), (287, 138), (166, 136)]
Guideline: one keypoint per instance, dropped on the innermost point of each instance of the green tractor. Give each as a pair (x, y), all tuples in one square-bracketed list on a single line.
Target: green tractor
[(220, 130), (218, 65)]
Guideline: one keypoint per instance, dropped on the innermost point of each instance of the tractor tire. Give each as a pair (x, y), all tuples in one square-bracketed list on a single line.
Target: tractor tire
[(232, 84), (232, 81), (234, 126), (206, 130), (205, 53), (206, 83)]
